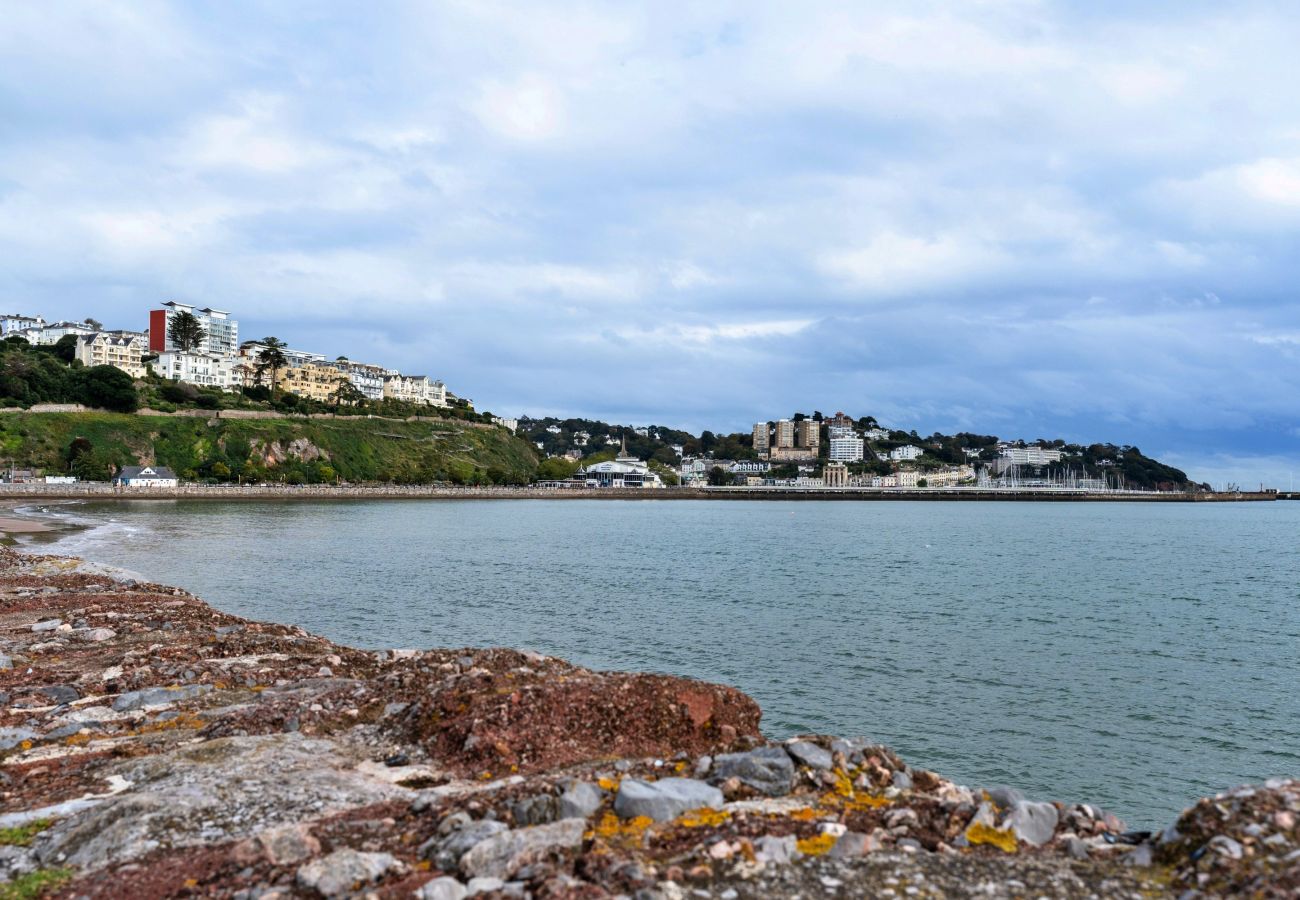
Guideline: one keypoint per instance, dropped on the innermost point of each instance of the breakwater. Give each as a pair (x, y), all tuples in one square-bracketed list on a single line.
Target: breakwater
[(262, 492), (152, 746)]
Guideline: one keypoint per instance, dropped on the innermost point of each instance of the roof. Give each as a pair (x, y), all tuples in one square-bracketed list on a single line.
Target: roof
[(146, 472)]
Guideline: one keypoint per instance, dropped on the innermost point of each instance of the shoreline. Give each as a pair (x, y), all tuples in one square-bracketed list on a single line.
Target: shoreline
[(155, 746), (232, 493)]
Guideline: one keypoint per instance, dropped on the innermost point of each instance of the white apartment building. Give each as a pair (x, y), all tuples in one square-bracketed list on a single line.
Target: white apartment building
[(1029, 456), (848, 448), (10, 324), (905, 453), (511, 424), (207, 369), (121, 349), (415, 389), (221, 333), (52, 333), (876, 434), (367, 379)]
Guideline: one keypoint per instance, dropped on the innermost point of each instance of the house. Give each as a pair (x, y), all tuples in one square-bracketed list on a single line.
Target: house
[(623, 471), (121, 349), (415, 389), (220, 332), (905, 453), (146, 477), (207, 369)]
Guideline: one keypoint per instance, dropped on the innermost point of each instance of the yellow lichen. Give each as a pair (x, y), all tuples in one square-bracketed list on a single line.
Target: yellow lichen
[(807, 814), (1002, 838), (816, 846), (612, 828), (607, 784), (703, 817)]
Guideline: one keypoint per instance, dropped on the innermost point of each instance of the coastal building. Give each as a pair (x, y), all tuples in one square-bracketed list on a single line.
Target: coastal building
[(624, 471), (762, 438), (808, 434), (220, 332), (792, 454), (207, 369), (905, 453), (416, 389), (509, 424), (122, 349), (366, 378), (784, 434), (46, 335), (846, 448), (1029, 456), (836, 475), (876, 434), (316, 381), (9, 324), (840, 420), (146, 477), (750, 467)]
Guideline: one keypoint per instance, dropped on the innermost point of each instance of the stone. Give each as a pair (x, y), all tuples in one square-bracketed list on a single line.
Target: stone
[(809, 754), (776, 850), (1141, 855), (59, 694), (902, 780), (340, 873), (1076, 847), (158, 696), (288, 844), (47, 625), (483, 886), (6, 662), (852, 844), (665, 799), (446, 853), (1004, 797), (445, 888), (580, 800), (767, 769), (96, 635), (1225, 846), (538, 810), (501, 855), (1034, 823), (12, 737)]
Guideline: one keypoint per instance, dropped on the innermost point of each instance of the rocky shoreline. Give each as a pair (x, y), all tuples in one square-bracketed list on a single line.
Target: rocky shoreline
[(152, 746)]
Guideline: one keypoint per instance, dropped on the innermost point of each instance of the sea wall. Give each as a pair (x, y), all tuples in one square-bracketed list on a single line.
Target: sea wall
[(151, 746)]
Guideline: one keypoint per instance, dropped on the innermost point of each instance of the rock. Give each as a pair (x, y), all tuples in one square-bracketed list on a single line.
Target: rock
[(445, 888), (96, 635), (501, 855), (483, 886), (1076, 847), (12, 737), (446, 853), (1140, 855), (852, 844), (6, 662), (902, 781), (60, 693), (537, 810), (1033, 823), (343, 871), (1225, 846), (158, 696), (220, 790), (288, 844), (579, 800), (665, 799), (776, 850), (809, 754), (47, 625), (1004, 797), (767, 769)]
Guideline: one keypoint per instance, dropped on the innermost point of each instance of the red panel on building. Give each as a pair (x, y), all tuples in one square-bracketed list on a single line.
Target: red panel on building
[(158, 330)]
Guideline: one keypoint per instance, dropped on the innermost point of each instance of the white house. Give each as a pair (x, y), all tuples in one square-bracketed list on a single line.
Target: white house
[(207, 369), (847, 448), (905, 453), (121, 349), (146, 477), (10, 324), (623, 472), (1030, 456), (415, 389)]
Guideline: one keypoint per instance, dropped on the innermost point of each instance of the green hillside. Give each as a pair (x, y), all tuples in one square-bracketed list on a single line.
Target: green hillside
[(351, 449)]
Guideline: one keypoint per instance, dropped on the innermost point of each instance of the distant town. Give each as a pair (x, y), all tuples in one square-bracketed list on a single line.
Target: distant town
[(194, 355)]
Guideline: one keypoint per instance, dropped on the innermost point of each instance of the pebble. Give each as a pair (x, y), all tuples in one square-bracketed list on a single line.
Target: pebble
[(6, 662), (665, 799), (95, 635), (339, 873), (483, 886), (445, 888), (579, 800), (47, 625), (158, 696), (767, 769)]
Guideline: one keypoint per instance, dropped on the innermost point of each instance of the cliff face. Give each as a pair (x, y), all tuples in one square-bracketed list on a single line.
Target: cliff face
[(154, 747)]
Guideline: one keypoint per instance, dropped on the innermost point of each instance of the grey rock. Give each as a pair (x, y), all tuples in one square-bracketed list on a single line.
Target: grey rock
[(1140, 855), (1076, 847), (96, 635), (6, 662), (445, 888), (579, 800), (454, 822), (665, 799), (12, 737), (47, 625), (776, 850), (767, 769), (1225, 846), (501, 855), (221, 790), (902, 780), (448, 851), (1004, 797), (850, 747), (340, 873), (910, 845), (483, 886), (60, 693), (536, 810), (809, 754), (158, 696), (1034, 823), (702, 766), (851, 844), (16, 862), (288, 844)]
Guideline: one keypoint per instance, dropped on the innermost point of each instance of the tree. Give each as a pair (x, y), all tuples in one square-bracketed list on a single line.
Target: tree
[(186, 331), (95, 324), (271, 358), (108, 387), (66, 348), (347, 394), (718, 477), (556, 468)]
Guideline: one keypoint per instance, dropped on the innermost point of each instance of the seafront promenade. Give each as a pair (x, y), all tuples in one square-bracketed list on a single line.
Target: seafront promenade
[(230, 492)]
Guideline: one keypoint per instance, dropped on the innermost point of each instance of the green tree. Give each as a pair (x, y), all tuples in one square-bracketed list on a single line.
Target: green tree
[(271, 359), (108, 387), (556, 468), (186, 331), (347, 394), (65, 348), (718, 477)]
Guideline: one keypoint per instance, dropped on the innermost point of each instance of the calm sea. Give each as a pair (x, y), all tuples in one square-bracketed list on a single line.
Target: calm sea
[(1133, 655)]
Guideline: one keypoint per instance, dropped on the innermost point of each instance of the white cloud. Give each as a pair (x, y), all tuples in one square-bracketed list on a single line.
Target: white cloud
[(529, 108), (894, 263)]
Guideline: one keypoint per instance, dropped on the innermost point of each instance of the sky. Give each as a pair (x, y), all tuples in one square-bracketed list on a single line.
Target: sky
[(1029, 219)]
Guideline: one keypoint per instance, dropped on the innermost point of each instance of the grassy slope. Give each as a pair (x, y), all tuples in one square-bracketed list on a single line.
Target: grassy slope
[(358, 449)]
